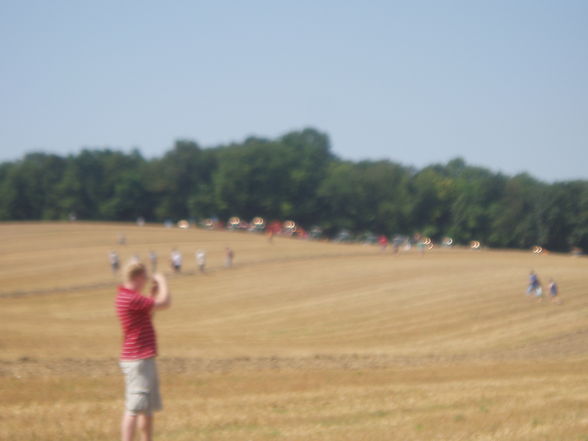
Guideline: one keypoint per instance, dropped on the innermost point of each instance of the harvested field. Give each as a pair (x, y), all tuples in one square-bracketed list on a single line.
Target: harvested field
[(300, 341)]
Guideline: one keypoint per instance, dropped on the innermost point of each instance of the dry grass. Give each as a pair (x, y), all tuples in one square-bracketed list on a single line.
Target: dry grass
[(300, 341)]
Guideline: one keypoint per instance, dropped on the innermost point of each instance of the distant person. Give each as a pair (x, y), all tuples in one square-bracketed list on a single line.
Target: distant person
[(114, 261), (229, 256), (135, 258), (153, 261), (396, 242), (421, 246), (533, 281), (139, 349), (383, 242), (176, 261), (554, 291), (535, 287), (122, 239), (201, 260)]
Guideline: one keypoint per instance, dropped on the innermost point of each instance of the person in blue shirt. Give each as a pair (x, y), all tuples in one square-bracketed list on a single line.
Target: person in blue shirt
[(534, 283), (535, 288), (554, 291)]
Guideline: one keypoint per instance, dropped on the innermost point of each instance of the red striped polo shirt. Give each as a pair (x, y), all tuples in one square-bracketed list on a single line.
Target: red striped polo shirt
[(134, 312)]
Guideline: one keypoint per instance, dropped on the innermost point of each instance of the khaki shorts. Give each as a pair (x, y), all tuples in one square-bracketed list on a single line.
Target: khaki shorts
[(141, 386)]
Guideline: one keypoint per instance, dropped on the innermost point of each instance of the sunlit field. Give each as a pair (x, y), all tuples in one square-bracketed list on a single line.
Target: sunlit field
[(299, 341)]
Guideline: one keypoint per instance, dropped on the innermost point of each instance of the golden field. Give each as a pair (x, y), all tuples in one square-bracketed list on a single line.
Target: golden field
[(300, 341)]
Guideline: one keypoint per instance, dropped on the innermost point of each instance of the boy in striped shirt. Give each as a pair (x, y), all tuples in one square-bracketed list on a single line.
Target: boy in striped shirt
[(139, 348)]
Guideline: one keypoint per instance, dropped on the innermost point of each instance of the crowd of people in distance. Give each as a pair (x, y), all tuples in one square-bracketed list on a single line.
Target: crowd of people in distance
[(176, 260), (535, 288)]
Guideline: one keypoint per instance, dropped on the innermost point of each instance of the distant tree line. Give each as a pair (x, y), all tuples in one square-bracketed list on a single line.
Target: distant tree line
[(296, 176)]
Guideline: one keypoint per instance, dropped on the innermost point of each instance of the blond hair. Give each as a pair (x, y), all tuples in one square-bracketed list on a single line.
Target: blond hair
[(133, 270)]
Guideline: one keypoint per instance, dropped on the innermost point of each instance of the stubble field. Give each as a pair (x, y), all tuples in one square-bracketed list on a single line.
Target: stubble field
[(300, 341)]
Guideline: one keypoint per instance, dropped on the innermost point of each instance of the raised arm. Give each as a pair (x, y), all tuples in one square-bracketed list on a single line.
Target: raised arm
[(160, 292)]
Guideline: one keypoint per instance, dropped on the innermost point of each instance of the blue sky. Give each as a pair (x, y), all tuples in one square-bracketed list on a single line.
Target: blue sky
[(503, 84)]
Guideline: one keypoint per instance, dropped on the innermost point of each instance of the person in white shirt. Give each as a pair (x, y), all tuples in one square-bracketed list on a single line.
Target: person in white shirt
[(176, 260), (201, 260), (153, 261), (114, 261)]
